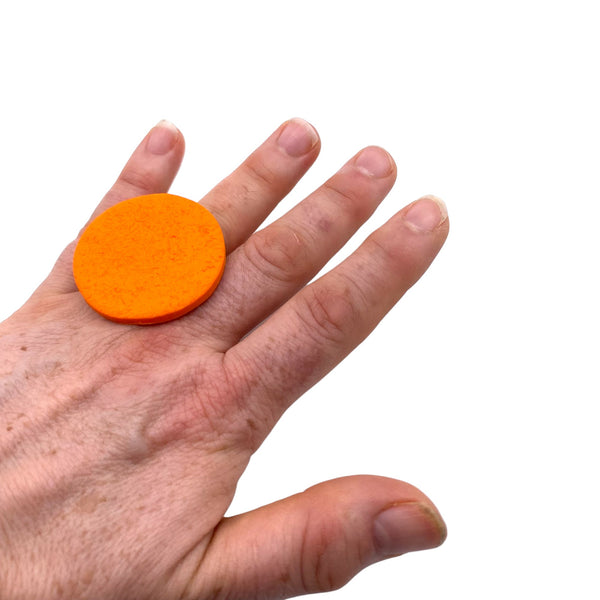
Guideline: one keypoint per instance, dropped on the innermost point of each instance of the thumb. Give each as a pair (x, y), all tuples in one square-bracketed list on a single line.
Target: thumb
[(318, 540)]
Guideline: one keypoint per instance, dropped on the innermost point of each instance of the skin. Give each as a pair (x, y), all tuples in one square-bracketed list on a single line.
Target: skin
[(121, 445)]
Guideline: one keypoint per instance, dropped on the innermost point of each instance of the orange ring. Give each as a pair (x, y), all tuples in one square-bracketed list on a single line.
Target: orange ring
[(149, 259)]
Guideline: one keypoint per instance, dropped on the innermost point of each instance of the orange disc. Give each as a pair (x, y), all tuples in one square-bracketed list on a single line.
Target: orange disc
[(149, 259)]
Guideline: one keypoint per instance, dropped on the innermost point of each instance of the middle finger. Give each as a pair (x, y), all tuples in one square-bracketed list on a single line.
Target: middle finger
[(278, 260)]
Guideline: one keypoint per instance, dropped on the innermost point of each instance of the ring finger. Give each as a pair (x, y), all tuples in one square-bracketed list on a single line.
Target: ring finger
[(277, 261)]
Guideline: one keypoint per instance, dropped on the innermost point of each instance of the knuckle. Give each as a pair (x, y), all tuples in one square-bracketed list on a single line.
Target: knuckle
[(393, 255), (141, 352), (354, 194), (328, 312), (139, 179), (259, 173), (329, 560), (347, 196), (377, 246), (199, 412), (278, 251)]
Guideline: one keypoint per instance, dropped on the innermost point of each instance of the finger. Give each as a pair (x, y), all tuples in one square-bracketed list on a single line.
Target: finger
[(278, 260), (243, 200), (321, 324), (151, 169), (316, 541)]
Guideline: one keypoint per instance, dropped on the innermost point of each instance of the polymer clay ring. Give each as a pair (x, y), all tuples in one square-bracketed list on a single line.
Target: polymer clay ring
[(149, 259)]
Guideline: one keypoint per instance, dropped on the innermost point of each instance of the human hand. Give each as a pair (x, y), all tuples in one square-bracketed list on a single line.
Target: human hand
[(121, 445)]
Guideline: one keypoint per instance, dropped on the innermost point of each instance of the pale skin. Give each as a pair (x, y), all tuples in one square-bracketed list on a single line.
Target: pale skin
[(121, 445)]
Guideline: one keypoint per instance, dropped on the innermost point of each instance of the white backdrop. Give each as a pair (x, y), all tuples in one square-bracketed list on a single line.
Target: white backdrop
[(480, 386)]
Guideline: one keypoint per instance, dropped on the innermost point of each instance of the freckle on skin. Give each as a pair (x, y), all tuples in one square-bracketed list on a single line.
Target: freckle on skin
[(87, 577), (89, 503), (324, 225), (23, 348)]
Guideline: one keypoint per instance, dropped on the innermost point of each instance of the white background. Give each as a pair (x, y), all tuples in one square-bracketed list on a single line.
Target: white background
[(480, 386)]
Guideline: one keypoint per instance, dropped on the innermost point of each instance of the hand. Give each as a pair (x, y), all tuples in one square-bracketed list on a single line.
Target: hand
[(121, 446)]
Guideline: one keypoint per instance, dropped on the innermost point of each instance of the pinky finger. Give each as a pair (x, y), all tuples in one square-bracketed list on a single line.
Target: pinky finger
[(151, 169)]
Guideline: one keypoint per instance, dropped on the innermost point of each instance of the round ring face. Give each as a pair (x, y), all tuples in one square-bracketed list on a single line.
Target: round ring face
[(149, 259)]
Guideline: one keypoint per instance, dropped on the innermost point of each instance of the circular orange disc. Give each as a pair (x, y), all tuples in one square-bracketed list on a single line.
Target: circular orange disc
[(149, 259)]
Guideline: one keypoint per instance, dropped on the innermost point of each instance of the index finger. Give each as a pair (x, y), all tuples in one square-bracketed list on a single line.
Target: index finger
[(310, 334)]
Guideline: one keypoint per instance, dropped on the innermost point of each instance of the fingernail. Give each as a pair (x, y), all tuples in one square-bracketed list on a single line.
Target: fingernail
[(407, 527), (162, 137), (375, 162), (297, 137), (426, 214)]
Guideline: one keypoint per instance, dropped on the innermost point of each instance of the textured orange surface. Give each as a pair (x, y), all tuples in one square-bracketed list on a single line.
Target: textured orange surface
[(149, 259)]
